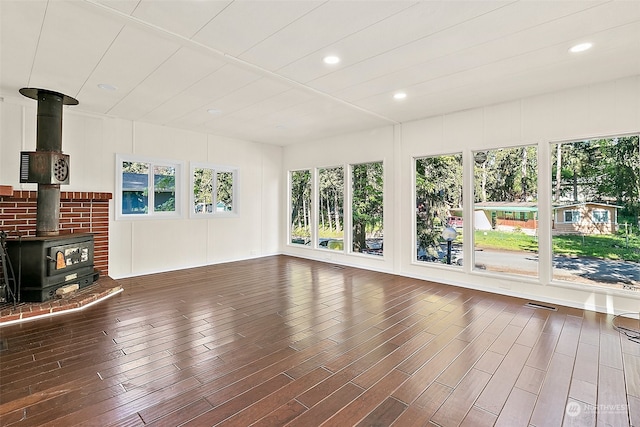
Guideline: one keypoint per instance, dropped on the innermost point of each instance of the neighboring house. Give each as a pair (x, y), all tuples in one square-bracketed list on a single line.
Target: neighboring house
[(507, 216), (208, 207), (135, 192), (585, 218)]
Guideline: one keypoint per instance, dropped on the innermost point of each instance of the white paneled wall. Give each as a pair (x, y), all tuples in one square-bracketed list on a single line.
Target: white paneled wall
[(606, 109), (148, 246)]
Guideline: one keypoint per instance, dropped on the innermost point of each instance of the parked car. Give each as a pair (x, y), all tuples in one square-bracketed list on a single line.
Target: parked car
[(374, 246)]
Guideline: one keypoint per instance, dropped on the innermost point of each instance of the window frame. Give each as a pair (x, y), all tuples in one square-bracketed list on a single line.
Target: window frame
[(151, 213), (216, 169)]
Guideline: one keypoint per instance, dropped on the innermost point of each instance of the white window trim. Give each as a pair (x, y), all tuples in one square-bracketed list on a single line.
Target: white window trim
[(151, 214), (234, 212)]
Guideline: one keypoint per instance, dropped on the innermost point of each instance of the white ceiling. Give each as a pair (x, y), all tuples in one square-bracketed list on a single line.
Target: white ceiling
[(260, 62)]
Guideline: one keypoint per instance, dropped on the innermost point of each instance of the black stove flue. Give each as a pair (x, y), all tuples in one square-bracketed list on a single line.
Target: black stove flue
[(47, 166)]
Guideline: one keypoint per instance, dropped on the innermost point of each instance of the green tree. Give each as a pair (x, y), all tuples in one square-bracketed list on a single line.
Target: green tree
[(508, 175), (619, 173), (224, 189), (575, 170), (331, 199), (367, 202), (164, 178), (135, 167), (203, 185)]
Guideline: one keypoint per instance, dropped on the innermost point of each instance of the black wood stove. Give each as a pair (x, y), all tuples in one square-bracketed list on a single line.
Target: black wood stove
[(50, 260), (48, 263)]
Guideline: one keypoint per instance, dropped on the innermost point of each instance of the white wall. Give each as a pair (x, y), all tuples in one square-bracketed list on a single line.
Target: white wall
[(607, 109), (148, 246)]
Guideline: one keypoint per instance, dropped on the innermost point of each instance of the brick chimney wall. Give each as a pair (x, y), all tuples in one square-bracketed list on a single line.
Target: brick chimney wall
[(80, 212)]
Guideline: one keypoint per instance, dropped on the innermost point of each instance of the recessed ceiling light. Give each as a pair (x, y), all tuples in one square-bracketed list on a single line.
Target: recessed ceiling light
[(107, 86), (399, 95), (581, 47), (331, 59), (214, 111)]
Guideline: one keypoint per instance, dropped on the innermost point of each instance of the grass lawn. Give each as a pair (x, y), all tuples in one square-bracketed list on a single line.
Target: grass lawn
[(595, 246)]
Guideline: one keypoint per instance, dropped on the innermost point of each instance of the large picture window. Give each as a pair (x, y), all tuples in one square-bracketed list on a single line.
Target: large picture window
[(331, 208), (213, 190), (439, 218), (300, 225), (367, 208), (600, 178), (147, 187), (506, 210)]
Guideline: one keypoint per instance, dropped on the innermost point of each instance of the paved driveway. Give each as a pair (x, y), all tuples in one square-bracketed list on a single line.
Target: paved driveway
[(565, 268)]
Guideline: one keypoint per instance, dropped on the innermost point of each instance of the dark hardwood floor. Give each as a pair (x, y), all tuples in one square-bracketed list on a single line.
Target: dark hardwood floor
[(282, 340)]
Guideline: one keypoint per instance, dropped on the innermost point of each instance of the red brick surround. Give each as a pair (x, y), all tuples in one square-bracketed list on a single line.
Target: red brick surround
[(80, 212)]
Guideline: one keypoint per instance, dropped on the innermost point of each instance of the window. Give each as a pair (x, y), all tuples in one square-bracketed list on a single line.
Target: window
[(367, 208), (213, 190), (438, 221), (600, 216), (300, 225), (603, 177), (331, 208), (506, 210), (147, 187), (571, 216)]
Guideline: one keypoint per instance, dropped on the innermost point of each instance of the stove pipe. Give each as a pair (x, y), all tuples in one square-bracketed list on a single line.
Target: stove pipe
[(47, 166)]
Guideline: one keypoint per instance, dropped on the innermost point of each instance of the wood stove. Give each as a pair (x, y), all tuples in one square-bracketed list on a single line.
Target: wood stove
[(50, 260)]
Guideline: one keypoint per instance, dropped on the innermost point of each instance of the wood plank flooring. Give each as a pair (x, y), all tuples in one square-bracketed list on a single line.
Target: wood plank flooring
[(286, 341)]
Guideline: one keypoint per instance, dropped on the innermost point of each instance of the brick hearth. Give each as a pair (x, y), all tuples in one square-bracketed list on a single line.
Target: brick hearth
[(103, 288)]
